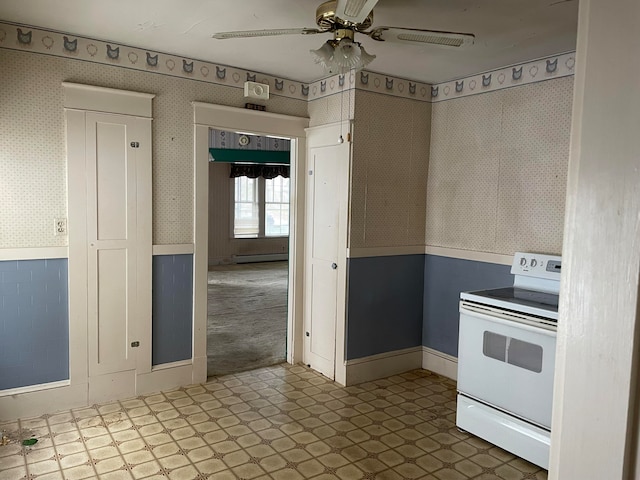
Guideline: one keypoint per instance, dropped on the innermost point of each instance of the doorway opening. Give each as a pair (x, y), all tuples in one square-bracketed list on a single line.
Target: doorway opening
[(210, 116), (248, 259)]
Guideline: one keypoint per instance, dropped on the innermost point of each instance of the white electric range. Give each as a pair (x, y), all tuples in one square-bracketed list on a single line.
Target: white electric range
[(506, 359)]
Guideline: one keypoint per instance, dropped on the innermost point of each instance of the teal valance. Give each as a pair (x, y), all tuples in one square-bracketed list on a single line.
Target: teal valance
[(234, 155)]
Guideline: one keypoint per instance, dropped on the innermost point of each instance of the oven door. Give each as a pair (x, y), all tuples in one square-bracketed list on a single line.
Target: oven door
[(507, 364)]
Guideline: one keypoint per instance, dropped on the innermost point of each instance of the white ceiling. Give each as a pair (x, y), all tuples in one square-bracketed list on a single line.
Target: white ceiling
[(507, 31)]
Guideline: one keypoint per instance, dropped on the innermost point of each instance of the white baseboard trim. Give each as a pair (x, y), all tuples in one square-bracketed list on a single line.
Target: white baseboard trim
[(440, 363), (54, 400), (164, 379), (164, 366), (382, 365), (266, 257)]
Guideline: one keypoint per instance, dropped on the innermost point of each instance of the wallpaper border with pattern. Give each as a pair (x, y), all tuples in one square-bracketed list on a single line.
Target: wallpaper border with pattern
[(66, 45), (37, 40), (548, 68)]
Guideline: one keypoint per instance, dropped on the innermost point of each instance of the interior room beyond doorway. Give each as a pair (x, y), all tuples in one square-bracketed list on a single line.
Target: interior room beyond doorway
[(247, 280)]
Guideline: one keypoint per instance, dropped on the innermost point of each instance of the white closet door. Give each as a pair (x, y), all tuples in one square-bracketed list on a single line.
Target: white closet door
[(112, 241), (328, 169)]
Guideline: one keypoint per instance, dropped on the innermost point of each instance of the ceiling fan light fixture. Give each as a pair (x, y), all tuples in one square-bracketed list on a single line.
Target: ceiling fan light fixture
[(342, 56), (324, 55)]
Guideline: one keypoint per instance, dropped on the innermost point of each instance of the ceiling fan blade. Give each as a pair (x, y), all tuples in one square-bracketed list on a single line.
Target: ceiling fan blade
[(354, 11), (419, 36), (265, 33)]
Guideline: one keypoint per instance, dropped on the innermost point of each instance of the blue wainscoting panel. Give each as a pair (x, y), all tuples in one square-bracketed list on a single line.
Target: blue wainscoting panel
[(172, 308), (444, 279), (34, 322), (384, 304)]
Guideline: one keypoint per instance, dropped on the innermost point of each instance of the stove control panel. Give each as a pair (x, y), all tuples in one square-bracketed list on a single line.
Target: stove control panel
[(537, 265)]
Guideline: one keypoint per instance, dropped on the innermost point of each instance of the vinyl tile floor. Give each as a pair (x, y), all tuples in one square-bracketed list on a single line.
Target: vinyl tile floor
[(280, 423)]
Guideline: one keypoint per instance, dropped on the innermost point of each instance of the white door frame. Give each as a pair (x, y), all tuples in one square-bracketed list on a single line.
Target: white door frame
[(206, 116)]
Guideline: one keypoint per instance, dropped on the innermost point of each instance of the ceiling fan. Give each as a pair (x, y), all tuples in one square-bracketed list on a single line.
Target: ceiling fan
[(345, 18)]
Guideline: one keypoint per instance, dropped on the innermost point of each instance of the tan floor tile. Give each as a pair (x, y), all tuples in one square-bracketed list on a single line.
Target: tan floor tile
[(206, 427), (523, 465), (409, 470), (144, 421), (286, 474), (51, 476), (136, 458), (507, 472), (173, 461), (104, 452), (187, 472), (211, 466), (131, 446), (70, 448), (109, 464), (71, 436), (225, 447), (125, 435), (372, 465), (117, 475), (391, 458), (429, 463), (158, 439), (76, 459), (487, 461), (260, 451), (166, 450), (273, 463), (43, 467), (34, 455), (296, 455), (248, 471), (236, 458), (145, 470), (79, 472)]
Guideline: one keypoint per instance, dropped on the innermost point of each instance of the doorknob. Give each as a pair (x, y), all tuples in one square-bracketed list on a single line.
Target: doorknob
[(334, 265)]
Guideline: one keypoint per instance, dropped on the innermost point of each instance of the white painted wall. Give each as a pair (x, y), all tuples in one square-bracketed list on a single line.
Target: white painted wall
[(594, 418)]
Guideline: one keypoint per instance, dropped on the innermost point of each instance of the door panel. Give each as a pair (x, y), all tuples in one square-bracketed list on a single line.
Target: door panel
[(111, 181), (111, 233), (323, 307), (112, 319)]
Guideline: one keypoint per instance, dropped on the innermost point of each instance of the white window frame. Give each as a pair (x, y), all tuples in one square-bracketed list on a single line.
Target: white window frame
[(261, 211)]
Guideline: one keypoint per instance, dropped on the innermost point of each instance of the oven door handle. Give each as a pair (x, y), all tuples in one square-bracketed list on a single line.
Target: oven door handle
[(506, 319)]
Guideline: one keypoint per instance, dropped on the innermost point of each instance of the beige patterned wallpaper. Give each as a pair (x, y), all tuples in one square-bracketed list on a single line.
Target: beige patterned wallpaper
[(389, 171), (498, 169), (332, 108), (32, 146)]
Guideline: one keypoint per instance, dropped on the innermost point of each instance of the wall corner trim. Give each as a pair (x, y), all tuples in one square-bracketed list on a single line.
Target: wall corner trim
[(382, 365), (440, 363)]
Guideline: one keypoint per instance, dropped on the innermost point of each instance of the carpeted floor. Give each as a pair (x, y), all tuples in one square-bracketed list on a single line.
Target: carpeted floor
[(247, 316)]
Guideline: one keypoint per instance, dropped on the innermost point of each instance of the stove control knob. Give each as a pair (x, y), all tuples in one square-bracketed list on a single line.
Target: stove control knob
[(523, 261), (534, 262)]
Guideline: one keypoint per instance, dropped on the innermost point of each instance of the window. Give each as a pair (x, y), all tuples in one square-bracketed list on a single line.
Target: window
[(261, 207)]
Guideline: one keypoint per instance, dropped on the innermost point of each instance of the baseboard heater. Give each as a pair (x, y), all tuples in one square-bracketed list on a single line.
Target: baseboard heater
[(270, 257)]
